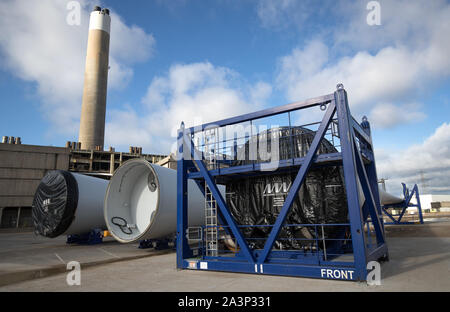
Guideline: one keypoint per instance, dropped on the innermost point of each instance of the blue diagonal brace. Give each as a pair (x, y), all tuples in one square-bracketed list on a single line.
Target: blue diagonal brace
[(219, 215), (293, 192), (220, 202), (402, 213), (389, 215), (408, 196)]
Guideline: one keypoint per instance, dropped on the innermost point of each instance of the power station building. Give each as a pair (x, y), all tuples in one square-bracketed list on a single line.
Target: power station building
[(21, 170), (23, 166)]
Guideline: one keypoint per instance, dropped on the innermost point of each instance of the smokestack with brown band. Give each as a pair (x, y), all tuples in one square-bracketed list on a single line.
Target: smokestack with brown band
[(93, 108)]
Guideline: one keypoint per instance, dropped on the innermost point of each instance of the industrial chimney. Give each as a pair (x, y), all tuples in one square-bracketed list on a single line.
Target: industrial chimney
[(93, 108)]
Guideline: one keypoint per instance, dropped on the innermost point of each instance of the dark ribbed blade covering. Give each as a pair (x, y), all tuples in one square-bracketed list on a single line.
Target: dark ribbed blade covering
[(54, 204), (258, 200)]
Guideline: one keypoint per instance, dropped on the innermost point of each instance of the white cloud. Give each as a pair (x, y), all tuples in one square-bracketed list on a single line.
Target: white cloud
[(411, 23), (382, 67), (260, 92), (194, 93), (369, 79), (387, 115), (37, 45), (127, 128), (129, 44), (429, 160)]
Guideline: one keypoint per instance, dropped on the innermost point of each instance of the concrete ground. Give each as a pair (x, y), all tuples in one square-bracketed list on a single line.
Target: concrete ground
[(25, 256), (419, 261)]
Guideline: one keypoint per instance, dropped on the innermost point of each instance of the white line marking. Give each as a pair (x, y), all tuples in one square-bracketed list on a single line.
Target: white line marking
[(60, 259), (107, 252)]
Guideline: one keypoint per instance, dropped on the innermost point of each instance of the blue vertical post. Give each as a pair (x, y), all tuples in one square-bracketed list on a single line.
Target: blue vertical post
[(351, 185), (291, 140), (182, 244), (235, 157)]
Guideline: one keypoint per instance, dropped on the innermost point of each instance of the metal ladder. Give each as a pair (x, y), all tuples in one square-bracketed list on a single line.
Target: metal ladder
[(211, 147), (211, 229)]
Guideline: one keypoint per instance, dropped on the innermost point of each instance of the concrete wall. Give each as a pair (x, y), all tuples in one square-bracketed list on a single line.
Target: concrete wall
[(21, 169), (168, 162), (427, 199)]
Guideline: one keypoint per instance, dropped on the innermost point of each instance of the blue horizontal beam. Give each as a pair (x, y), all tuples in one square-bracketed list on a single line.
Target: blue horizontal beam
[(312, 271), (320, 159), (264, 113), (311, 260)]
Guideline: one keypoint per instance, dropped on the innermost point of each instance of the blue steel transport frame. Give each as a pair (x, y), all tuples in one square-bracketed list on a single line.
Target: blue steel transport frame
[(403, 206), (355, 155)]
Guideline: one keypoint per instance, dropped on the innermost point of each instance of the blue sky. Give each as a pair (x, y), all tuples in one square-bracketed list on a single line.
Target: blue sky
[(205, 60)]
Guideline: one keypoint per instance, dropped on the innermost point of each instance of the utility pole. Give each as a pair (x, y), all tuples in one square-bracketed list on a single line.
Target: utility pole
[(423, 182)]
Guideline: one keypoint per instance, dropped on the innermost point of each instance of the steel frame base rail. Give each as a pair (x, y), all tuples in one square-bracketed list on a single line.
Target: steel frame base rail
[(359, 169), (397, 219)]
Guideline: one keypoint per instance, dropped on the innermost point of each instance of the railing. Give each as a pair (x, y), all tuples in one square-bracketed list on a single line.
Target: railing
[(320, 246)]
